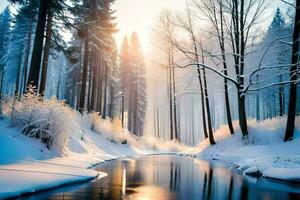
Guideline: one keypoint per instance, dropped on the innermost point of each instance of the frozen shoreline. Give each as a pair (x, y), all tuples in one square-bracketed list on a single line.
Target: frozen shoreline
[(27, 166), (265, 155)]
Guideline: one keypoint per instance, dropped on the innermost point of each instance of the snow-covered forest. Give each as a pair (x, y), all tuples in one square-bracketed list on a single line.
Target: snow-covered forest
[(218, 81)]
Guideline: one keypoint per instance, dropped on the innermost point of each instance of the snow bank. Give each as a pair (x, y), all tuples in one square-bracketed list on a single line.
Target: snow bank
[(265, 154), (62, 145), (28, 178)]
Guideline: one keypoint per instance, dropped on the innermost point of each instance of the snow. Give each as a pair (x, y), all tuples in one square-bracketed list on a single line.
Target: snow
[(27, 165), (264, 155), (33, 176)]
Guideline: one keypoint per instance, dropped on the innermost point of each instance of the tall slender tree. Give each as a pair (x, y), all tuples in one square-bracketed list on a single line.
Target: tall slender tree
[(290, 126)]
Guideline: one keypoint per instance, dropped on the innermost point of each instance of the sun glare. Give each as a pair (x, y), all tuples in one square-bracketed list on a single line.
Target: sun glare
[(139, 16)]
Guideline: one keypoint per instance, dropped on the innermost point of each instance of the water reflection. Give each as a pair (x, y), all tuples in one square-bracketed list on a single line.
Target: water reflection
[(172, 177), (124, 183)]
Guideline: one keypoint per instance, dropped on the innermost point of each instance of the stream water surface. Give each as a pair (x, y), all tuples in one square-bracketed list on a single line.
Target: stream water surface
[(171, 177)]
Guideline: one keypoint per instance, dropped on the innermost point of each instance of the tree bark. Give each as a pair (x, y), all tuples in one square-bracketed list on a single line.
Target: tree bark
[(99, 92), (174, 100), (105, 93), (94, 84), (46, 52), (170, 97), (26, 59), (111, 103), (84, 74), (36, 57), (242, 114), (223, 51), (209, 124), (290, 126)]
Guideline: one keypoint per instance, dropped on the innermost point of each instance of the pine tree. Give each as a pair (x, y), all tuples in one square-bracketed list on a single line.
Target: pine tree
[(5, 26), (17, 54), (125, 71), (139, 85), (278, 55), (45, 7), (5, 20)]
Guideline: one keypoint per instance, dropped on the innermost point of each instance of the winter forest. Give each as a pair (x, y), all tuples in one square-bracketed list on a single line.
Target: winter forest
[(149, 99)]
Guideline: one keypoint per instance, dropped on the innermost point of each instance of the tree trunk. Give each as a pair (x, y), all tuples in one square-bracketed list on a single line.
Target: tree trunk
[(174, 99), (242, 115), (111, 103), (18, 79), (210, 131), (84, 74), (199, 74), (90, 71), (171, 100), (257, 102), (281, 96), (36, 57), (99, 93), (58, 84), (281, 100), (223, 51), (135, 120), (46, 52), (94, 84), (26, 59), (105, 93), (290, 126), (122, 110), (129, 110), (157, 122)]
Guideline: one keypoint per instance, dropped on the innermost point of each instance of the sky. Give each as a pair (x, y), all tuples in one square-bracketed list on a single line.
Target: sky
[(139, 16), (136, 15)]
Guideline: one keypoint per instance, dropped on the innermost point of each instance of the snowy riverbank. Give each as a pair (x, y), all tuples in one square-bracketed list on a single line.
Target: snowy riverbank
[(265, 155), (27, 166), (80, 142)]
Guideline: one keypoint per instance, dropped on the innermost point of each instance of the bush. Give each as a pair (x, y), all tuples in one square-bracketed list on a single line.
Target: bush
[(49, 120)]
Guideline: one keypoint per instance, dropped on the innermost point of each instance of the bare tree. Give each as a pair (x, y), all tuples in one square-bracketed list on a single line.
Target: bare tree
[(239, 18), (196, 54), (289, 133), (213, 10)]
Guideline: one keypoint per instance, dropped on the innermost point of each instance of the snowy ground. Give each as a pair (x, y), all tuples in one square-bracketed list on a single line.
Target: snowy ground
[(265, 155), (27, 166)]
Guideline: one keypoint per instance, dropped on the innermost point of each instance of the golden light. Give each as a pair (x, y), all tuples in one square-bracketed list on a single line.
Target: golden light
[(140, 16)]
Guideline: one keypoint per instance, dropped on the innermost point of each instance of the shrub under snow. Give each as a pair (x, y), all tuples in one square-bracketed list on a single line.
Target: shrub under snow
[(51, 121), (112, 131)]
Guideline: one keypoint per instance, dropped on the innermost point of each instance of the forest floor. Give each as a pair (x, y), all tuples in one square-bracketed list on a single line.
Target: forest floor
[(265, 154), (27, 166)]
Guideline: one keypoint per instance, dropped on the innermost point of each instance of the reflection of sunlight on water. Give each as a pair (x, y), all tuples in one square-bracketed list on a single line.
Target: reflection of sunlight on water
[(150, 193), (124, 183)]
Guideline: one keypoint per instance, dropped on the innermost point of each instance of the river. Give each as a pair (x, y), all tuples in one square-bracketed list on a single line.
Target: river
[(160, 177)]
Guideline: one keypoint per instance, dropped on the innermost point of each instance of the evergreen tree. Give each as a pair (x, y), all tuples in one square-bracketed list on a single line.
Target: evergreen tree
[(5, 26), (133, 81), (276, 44), (46, 7), (139, 84), (15, 58), (125, 72)]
